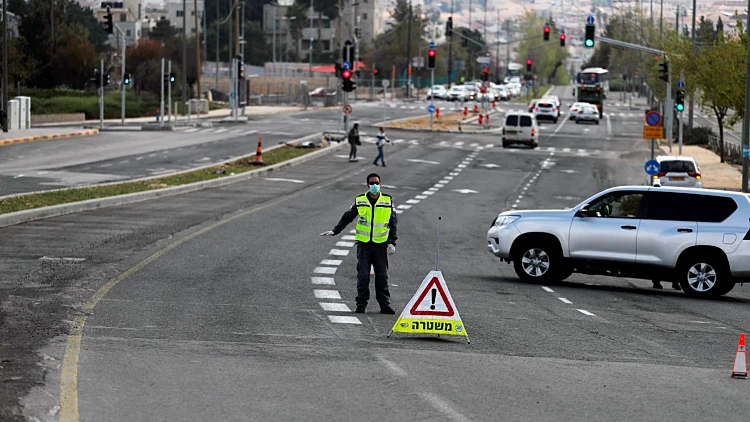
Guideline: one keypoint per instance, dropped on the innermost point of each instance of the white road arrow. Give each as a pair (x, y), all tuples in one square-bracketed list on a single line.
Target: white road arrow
[(422, 161), (465, 191), (490, 166)]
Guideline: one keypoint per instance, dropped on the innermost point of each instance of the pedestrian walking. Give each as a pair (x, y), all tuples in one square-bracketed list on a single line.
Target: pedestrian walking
[(376, 234), (353, 136), (381, 140)]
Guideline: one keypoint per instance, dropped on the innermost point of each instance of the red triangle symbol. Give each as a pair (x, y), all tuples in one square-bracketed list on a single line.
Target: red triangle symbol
[(435, 282)]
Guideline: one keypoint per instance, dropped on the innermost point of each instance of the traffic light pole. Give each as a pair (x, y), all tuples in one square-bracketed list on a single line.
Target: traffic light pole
[(121, 34), (746, 124), (161, 100), (432, 84), (101, 95), (169, 91), (679, 130)]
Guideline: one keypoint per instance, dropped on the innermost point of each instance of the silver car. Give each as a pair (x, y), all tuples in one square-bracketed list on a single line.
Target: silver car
[(699, 238), (678, 171)]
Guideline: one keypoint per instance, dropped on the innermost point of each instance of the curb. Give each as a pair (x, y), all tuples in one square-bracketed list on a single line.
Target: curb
[(92, 204), (49, 137)]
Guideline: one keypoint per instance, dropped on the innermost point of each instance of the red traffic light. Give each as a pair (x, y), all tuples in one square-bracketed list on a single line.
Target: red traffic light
[(346, 74), (562, 36), (546, 29), (431, 53), (375, 71), (485, 70), (529, 61)]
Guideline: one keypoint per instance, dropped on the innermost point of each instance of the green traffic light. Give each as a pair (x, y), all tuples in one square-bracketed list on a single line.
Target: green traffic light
[(462, 79), (680, 107), (589, 43), (171, 79)]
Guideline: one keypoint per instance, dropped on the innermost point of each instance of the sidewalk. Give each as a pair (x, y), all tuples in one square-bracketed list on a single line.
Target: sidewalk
[(715, 174), (43, 134)]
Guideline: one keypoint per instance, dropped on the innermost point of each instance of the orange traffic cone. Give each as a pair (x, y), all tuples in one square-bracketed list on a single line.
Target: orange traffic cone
[(466, 110), (476, 109), (258, 161), (739, 370)]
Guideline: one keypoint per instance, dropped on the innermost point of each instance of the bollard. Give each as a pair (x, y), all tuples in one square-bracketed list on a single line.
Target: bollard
[(494, 104), (480, 119), (476, 109), (487, 118), (258, 161), (466, 111), (437, 113)]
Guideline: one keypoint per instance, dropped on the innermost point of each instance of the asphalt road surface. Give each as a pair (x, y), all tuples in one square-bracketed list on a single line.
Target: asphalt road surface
[(225, 304)]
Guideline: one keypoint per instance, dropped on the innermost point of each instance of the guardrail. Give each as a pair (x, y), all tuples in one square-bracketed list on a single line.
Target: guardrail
[(732, 151)]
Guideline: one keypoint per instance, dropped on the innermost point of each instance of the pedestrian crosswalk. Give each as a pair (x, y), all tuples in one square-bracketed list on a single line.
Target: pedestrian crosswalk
[(240, 132)]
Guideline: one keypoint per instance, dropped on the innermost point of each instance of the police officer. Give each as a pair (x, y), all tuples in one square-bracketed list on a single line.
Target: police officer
[(376, 235)]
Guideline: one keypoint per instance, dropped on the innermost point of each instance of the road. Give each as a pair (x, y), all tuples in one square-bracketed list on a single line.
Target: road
[(205, 306)]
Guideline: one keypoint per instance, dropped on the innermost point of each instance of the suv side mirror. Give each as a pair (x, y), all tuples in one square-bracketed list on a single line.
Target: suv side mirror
[(584, 211)]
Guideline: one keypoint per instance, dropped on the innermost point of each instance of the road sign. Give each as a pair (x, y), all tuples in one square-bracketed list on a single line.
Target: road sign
[(483, 59), (430, 108), (231, 94), (653, 118), (589, 20), (347, 109), (386, 83), (745, 151), (652, 167), (431, 310), (346, 65), (653, 132), (432, 44), (680, 84), (528, 85)]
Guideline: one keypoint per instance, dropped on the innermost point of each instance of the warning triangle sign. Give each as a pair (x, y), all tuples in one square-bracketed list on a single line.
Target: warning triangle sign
[(431, 310)]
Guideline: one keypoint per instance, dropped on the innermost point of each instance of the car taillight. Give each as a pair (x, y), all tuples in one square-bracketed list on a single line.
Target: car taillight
[(536, 108), (661, 174), (694, 174), (533, 132), (554, 110)]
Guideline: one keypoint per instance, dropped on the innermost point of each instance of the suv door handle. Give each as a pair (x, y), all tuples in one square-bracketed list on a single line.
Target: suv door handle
[(628, 227), (685, 230)]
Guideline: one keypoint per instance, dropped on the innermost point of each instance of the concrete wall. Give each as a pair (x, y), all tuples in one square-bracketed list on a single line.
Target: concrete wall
[(57, 118)]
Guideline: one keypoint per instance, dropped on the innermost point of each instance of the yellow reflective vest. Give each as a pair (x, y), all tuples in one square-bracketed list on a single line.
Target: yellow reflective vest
[(372, 221)]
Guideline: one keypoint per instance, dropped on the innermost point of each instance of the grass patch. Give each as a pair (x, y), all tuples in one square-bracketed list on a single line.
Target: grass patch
[(27, 202)]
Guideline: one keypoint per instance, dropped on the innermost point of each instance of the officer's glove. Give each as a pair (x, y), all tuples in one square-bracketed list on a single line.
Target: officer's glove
[(391, 249), (328, 233)]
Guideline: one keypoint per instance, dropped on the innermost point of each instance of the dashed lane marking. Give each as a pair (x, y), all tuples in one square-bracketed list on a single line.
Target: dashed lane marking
[(325, 270), (326, 294), (585, 312), (334, 262), (339, 252), (563, 300), (547, 289), (344, 319), (334, 307), (348, 237), (344, 244), (329, 281)]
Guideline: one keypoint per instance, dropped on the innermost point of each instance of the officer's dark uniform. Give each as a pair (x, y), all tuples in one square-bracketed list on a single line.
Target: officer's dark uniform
[(371, 252)]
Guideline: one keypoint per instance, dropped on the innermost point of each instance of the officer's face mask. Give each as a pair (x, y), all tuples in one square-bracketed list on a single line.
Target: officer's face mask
[(374, 188)]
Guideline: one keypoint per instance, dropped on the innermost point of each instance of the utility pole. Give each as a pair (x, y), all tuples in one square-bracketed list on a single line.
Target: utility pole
[(312, 31), (5, 66), (242, 57), (355, 18), (198, 70), (161, 96), (218, 13), (746, 122), (274, 39), (169, 91), (450, 52), (408, 56), (184, 54), (677, 23), (690, 101), (101, 94), (237, 26), (661, 18), (122, 79)]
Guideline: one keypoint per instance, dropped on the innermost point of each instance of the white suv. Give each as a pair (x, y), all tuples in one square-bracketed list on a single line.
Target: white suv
[(699, 238)]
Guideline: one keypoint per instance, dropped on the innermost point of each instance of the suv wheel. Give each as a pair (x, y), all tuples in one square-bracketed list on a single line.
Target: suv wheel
[(537, 262), (704, 276)]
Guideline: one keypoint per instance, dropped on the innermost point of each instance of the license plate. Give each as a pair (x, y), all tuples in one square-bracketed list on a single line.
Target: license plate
[(677, 179), (511, 132)]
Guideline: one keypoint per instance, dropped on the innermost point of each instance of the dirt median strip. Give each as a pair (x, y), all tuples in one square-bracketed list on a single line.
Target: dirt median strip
[(49, 137)]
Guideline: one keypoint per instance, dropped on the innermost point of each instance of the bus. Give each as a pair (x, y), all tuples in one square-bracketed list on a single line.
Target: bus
[(592, 85), (514, 69)]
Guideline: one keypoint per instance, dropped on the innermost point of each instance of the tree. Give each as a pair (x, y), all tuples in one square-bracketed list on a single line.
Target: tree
[(173, 51), (705, 31), (163, 31), (257, 51), (146, 51), (20, 65), (548, 56), (73, 61)]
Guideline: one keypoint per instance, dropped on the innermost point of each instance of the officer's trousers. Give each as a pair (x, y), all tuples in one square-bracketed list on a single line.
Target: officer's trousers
[(372, 254)]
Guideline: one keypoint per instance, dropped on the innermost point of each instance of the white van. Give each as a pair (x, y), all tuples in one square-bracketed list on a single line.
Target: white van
[(520, 128)]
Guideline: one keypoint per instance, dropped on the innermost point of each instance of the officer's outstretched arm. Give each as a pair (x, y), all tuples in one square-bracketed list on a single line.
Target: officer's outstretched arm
[(393, 226), (347, 218)]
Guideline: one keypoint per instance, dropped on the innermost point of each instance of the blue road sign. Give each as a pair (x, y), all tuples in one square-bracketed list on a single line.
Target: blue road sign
[(346, 65), (680, 84), (652, 167), (430, 108), (231, 94), (528, 85), (590, 20), (745, 151), (432, 44), (653, 118)]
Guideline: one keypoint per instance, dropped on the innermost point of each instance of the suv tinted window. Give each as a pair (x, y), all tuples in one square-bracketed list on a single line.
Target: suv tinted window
[(677, 166), (526, 121), (688, 207), (511, 120), (618, 205)]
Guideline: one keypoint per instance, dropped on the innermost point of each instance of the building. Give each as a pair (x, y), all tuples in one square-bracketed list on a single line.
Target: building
[(125, 17), (175, 14), (12, 23), (370, 20)]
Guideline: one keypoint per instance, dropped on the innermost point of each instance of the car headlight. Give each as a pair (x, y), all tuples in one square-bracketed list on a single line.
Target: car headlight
[(504, 220)]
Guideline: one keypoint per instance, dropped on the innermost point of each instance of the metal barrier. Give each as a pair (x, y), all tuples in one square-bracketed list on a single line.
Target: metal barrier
[(732, 151)]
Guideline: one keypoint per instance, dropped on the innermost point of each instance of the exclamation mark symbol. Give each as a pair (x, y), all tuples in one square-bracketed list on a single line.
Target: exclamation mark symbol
[(434, 294)]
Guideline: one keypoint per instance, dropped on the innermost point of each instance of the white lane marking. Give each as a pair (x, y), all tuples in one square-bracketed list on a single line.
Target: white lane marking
[(439, 185), (221, 130), (609, 125), (563, 300), (325, 270), (421, 197), (124, 161), (461, 166), (414, 142), (19, 176), (547, 289), (398, 141), (398, 211), (139, 158), (428, 192), (345, 244), (348, 237), (151, 155), (444, 407), (344, 319), (585, 312), (105, 165), (339, 252), (326, 294), (444, 182), (454, 174), (192, 129), (403, 207), (412, 201), (489, 145), (68, 259), (331, 262), (391, 366), (465, 191), (566, 150), (448, 178), (474, 145), (334, 307), (279, 179), (42, 172), (422, 161), (249, 132), (323, 280), (458, 144)]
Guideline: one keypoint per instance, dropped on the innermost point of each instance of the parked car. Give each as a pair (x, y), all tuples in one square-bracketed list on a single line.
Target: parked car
[(520, 128), (699, 238), (678, 171), (545, 110), (437, 91), (587, 113), (458, 93), (322, 92)]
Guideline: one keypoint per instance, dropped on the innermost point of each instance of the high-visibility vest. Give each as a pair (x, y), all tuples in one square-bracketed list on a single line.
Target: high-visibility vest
[(372, 222)]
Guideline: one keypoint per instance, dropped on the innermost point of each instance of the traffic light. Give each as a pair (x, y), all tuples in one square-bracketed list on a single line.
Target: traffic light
[(107, 79), (431, 58), (171, 77), (337, 70), (126, 79), (348, 84), (529, 62), (589, 41), (562, 40), (358, 33), (96, 79), (485, 73), (449, 27), (679, 100), (546, 31), (664, 71), (347, 53), (109, 26), (375, 72)]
